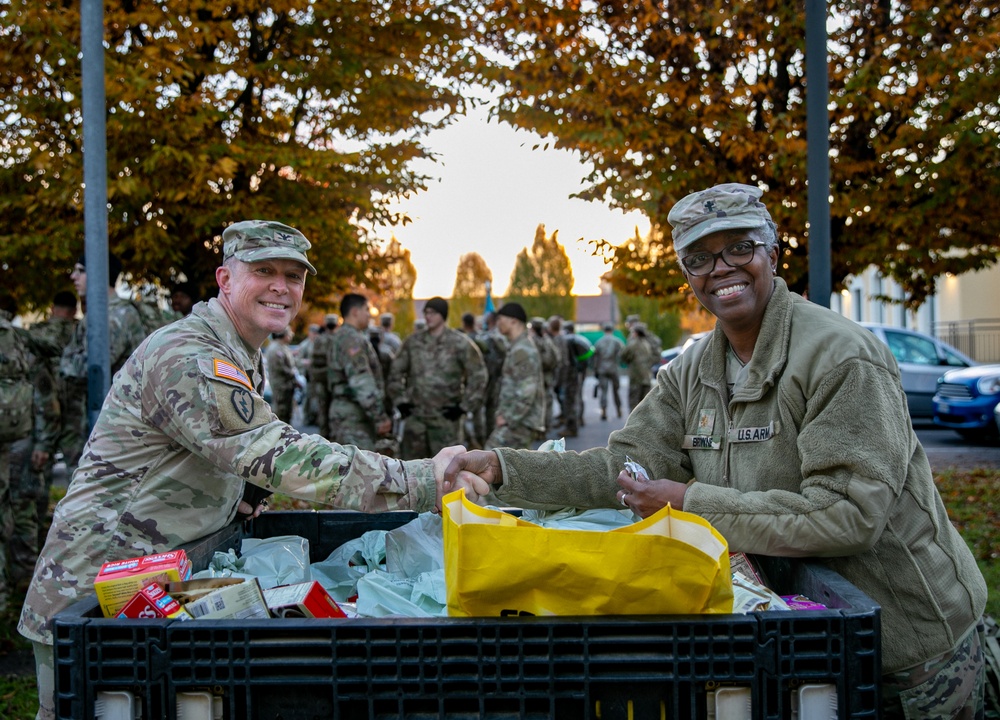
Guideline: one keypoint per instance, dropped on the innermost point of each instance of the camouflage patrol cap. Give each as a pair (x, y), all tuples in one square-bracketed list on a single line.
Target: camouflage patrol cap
[(730, 206), (255, 240)]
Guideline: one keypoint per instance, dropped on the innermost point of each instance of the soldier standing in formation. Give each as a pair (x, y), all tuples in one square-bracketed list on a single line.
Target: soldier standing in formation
[(187, 432), (15, 428), (638, 356), (281, 374), (125, 332), (493, 345), (607, 361), (437, 377), (548, 353), (357, 394), (318, 387), (49, 338), (303, 361), (520, 418)]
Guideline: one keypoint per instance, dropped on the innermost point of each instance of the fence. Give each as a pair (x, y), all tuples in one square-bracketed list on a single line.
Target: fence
[(979, 339)]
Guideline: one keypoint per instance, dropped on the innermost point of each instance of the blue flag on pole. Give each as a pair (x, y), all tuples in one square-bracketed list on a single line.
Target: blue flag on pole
[(489, 300)]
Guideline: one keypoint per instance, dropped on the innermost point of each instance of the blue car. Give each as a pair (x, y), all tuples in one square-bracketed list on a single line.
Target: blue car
[(966, 399)]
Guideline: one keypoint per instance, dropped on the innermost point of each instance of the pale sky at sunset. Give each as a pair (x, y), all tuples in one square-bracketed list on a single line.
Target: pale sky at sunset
[(492, 192)]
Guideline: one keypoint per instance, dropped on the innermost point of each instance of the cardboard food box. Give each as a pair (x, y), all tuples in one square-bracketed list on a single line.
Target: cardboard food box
[(221, 598), (153, 602), (308, 599), (118, 581)]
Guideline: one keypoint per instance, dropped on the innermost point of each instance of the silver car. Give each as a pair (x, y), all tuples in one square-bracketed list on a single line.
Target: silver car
[(922, 359)]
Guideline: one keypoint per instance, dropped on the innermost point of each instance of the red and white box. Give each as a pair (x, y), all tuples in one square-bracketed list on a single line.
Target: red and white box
[(119, 580), (308, 599), (153, 602)]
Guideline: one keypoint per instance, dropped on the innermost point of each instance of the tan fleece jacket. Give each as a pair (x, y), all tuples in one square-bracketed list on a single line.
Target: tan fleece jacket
[(814, 457)]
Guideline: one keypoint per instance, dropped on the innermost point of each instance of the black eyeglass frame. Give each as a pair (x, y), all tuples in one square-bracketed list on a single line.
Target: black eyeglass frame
[(731, 262)]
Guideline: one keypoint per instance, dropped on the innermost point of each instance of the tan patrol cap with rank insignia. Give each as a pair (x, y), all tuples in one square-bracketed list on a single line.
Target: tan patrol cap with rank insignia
[(730, 206), (255, 240)]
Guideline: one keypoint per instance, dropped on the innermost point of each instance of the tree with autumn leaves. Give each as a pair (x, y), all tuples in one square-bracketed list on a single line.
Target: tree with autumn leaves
[(667, 98), (309, 113)]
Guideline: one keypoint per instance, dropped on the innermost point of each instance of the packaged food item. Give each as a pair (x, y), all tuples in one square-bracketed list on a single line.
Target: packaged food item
[(221, 598), (750, 596), (308, 599), (118, 581), (801, 602), (153, 602), (741, 563)]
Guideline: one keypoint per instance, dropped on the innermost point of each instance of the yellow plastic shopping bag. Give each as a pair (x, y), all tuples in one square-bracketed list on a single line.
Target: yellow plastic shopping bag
[(671, 563)]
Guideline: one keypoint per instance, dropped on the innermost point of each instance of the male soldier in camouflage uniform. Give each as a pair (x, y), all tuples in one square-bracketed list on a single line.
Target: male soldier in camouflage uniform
[(303, 360), (638, 357), (280, 364), (187, 432), (125, 332), (567, 417), (357, 393), (549, 355), (436, 378), (48, 340), (520, 418), (607, 361), (318, 389), (15, 429)]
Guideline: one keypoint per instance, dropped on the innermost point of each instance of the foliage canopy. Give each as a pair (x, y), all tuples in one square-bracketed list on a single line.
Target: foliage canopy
[(668, 98), (299, 111)]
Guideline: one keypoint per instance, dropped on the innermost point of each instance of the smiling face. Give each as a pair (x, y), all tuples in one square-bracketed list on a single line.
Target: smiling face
[(261, 297), (737, 296)]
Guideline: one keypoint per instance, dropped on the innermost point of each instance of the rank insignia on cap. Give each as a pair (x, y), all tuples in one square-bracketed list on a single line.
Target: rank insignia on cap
[(243, 404), (229, 371)]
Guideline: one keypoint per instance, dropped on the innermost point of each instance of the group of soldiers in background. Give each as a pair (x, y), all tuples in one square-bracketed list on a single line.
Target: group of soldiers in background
[(55, 366), (442, 386)]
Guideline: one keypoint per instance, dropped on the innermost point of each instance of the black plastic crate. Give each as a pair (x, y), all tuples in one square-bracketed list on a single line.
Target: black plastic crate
[(605, 668)]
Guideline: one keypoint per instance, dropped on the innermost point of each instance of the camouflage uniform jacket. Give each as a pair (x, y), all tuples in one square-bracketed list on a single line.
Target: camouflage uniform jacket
[(183, 428), (125, 332), (548, 353), (46, 341), (607, 355), (638, 355), (355, 373), (522, 389), (436, 372), (318, 356), (280, 367)]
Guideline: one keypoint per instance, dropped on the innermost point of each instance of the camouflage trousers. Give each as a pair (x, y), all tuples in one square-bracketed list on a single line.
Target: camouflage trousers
[(283, 402), (425, 437), (636, 392), (18, 516), (606, 382), (46, 679), (511, 436), (951, 685), (349, 425), (319, 397)]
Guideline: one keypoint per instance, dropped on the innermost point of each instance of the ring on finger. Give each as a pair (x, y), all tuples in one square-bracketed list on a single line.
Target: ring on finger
[(622, 500)]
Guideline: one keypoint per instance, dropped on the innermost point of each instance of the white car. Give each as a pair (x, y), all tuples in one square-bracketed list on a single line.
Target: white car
[(922, 359)]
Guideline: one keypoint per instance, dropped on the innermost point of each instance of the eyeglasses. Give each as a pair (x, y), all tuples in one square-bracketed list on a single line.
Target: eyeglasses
[(736, 255)]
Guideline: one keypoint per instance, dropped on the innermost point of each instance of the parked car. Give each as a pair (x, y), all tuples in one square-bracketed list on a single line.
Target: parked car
[(670, 353), (967, 400), (921, 359)]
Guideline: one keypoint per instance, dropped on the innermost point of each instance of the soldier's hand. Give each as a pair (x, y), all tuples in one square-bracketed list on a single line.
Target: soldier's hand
[(441, 461), (476, 472), (452, 412), (384, 427), (38, 459), (405, 409), (246, 511)]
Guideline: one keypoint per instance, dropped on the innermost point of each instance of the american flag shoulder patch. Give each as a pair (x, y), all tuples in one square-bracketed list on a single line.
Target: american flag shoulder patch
[(224, 369)]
